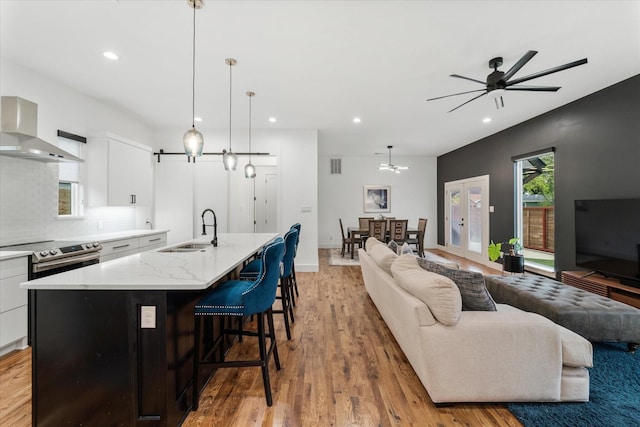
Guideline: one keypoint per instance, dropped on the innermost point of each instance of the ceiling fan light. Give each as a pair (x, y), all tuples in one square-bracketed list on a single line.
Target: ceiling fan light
[(496, 93)]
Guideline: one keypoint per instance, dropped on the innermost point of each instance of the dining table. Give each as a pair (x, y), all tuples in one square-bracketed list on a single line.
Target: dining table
[(363, 233)]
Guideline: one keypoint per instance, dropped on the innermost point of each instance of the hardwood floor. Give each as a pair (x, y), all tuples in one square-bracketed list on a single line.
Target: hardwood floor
[(341, 368)]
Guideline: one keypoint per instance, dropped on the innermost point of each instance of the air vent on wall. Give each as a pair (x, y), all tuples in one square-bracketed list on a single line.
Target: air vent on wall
[(336, 166)]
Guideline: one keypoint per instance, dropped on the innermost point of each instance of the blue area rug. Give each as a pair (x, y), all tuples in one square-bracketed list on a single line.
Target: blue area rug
[(614, 398)]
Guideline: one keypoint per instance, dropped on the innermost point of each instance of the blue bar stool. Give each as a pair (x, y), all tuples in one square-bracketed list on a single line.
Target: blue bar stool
[(298, 227), (242, 298), (249, 271)]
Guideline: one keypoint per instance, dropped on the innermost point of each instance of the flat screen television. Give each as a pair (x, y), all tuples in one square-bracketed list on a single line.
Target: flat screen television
[(608, 238)]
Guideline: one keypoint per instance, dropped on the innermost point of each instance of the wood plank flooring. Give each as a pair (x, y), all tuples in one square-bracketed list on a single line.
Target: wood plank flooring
[(341, 368)]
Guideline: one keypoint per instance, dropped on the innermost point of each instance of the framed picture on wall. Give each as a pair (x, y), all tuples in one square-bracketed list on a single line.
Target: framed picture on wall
[(377, 198)]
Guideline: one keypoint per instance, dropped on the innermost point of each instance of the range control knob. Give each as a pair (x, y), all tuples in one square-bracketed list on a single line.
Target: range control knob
[(53, 252), (44, 253), (96, 244)]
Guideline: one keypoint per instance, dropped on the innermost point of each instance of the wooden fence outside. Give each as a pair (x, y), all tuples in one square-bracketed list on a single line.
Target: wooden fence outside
[(538, 228)]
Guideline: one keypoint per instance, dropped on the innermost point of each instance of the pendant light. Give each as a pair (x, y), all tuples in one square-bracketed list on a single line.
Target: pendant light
[(389, 166), (193, 140), (229, 159), (250, 169)]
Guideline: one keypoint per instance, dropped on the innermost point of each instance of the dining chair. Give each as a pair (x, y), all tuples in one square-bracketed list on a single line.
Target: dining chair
[(398, 230), (349, 241), (378, 229), (418, 241)]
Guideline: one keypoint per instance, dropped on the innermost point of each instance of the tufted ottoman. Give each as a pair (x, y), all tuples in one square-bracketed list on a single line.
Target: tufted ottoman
[(595, 317)]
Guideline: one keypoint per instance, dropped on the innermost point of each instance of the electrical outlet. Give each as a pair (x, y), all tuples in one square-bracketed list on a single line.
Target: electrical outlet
[(148, 317)]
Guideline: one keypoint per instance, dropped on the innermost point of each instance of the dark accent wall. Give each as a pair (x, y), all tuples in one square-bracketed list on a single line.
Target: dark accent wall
[(597, 142)]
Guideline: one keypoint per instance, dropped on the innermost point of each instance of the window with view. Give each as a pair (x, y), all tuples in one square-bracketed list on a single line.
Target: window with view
[(70, 177)]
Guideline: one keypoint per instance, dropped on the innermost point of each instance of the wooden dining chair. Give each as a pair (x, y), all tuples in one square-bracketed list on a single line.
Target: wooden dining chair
[(418, 240), (398, 230), (363, 222), (349, 241), (378, 229)]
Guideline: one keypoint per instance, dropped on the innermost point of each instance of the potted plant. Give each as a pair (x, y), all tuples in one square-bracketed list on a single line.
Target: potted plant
[(512, 260)]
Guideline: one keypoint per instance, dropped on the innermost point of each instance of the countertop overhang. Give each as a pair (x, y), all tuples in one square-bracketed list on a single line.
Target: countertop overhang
[(157, 270)]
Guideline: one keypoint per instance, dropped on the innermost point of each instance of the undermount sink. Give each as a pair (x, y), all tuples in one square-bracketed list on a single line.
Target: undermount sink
[(188, 247)]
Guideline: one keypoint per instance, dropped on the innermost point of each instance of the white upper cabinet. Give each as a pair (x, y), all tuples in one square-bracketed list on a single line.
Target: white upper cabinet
[(119, 172)]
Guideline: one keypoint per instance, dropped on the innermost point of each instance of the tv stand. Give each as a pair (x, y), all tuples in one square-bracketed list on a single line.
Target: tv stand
[(601, 285)]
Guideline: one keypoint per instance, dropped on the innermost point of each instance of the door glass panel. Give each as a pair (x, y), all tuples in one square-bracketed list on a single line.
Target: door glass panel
[(474, 219), (456, 218)]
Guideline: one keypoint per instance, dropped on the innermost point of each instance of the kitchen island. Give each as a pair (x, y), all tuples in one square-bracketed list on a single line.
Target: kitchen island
[(113, 342)]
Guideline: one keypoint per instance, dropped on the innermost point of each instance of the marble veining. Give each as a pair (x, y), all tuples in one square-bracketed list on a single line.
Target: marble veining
[(156, 270)]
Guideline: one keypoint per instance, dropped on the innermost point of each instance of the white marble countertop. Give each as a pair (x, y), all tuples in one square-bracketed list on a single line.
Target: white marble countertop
[(156, 270), (117, 235), (13, 254)]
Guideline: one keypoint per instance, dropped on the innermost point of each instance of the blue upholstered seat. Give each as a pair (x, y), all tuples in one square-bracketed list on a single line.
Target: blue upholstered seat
[(243, 298)]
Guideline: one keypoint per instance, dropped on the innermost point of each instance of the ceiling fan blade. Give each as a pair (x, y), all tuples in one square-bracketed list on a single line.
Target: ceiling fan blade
[(458, 76), (521, 62), (454, 94), (474, 98), (534, 88), (549, 71)]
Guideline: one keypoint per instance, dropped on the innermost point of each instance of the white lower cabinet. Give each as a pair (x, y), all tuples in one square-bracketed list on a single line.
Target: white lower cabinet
[(13, 305), (123, 247)]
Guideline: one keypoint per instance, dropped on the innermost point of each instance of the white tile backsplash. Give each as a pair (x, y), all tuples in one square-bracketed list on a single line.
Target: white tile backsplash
[(29, 206)]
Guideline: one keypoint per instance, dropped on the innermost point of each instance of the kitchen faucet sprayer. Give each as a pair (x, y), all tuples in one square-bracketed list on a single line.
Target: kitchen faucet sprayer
[(214, 242)]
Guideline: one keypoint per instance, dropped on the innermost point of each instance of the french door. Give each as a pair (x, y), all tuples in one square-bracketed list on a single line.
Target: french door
[(466, 217)]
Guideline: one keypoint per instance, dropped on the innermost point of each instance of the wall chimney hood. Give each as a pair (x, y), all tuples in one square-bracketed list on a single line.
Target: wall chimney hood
[(18, 133)]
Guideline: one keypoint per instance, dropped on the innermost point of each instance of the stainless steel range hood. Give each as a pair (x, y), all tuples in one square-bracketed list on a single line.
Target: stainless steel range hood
[(18, 133)]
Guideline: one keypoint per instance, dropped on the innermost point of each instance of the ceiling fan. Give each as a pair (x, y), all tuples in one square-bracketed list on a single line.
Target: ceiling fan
[(389, 166), (499, 81)]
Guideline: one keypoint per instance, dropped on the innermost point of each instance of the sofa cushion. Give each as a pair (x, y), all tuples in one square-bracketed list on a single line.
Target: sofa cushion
[(371, 242), (439, 293), (383, 256), (475, 296), (438, 260)]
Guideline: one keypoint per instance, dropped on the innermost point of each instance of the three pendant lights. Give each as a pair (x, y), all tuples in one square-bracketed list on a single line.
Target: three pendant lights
[(193, 139)]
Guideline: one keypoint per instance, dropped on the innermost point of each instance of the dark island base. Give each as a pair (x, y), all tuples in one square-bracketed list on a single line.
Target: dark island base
[(93, 364)]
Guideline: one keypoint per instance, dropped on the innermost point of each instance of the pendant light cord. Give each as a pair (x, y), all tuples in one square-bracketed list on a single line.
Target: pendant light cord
[(193, 75), (250, 96), (230, 67)]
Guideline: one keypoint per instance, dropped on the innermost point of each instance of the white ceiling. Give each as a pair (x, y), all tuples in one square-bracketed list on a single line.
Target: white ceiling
[(319, 64)]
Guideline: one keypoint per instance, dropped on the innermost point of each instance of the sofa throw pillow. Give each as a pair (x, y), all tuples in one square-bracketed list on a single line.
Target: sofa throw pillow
[(405, 249), (439, 293), (383, 257), (371, 242), (393, 246), (475, 296)]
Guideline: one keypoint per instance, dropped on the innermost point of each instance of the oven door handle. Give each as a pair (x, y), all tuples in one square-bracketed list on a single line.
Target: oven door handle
[(37, 268)]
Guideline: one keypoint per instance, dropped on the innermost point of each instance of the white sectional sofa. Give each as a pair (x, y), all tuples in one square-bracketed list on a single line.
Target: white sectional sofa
[(506, 355)]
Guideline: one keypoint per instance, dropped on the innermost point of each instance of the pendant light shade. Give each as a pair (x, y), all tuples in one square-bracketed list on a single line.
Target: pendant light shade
[(229, 159), (193, 140), (250, 169)]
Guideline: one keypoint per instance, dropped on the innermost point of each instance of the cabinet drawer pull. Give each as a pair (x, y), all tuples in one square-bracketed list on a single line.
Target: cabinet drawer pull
[(121, 246), (155, 240)]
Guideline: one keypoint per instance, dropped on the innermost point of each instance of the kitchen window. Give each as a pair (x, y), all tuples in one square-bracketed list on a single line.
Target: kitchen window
[(70, 179)]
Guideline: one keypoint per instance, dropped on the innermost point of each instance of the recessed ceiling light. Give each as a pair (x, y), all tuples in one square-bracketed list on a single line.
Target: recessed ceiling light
[(111, 55), (356, 120), (197, 119), (272, 119), (486, 120)]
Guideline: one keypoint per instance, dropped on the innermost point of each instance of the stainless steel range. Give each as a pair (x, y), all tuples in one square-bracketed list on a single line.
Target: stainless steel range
[(55, 256)]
